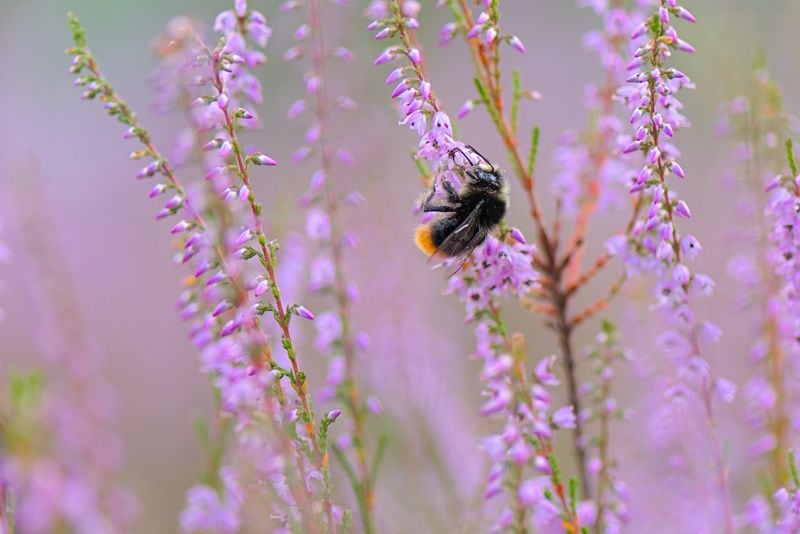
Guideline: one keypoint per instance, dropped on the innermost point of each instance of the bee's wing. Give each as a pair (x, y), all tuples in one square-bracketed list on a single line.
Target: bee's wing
[(463, 240)]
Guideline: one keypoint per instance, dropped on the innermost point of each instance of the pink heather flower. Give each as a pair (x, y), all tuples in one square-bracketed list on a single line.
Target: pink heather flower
[(303, 312), (564, 417), (329, 329), (466, 108), (516, 43), (662, 250), (207, 510)]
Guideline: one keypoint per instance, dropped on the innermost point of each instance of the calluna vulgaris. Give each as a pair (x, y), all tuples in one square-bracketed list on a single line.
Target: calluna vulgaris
[(293, 449)]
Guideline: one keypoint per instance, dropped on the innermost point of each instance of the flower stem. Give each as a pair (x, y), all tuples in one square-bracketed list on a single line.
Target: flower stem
[(364, 489), (267, 259)]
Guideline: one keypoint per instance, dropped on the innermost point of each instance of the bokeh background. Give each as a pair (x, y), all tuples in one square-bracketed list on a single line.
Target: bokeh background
[(117, 258)]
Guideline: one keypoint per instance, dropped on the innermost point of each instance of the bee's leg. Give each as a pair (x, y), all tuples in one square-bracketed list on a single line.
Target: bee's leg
[(428, 206), (452, 194)]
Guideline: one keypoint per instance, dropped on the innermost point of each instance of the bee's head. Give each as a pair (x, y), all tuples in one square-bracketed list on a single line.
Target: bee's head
[(482, 174), (485, 176)]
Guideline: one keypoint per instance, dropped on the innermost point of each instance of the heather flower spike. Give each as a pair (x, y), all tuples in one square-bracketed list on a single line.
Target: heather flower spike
[(336, 336), (657, 236), (228, 327)]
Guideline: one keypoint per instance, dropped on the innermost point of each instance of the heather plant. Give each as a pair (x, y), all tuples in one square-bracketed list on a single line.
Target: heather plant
[(336, 335), (62, 453), (268, 401), (592, 358), (756, 125)]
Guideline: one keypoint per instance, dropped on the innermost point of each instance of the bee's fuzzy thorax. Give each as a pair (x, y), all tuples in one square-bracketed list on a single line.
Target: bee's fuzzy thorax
[(424, 239)]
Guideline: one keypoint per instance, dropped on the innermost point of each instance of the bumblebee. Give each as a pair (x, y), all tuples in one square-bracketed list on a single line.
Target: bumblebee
[(469, 215)]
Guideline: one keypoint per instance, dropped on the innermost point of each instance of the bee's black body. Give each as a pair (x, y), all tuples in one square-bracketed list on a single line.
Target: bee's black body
[(469, 215)]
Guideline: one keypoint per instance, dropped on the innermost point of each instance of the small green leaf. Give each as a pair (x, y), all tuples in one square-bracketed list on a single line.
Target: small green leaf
[(517, 94), (383, 440), (790, 157), (78, 33), (793, 469), (533, 151)]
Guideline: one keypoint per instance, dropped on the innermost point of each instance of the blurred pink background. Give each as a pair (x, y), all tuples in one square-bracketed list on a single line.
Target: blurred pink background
[(119, 259)]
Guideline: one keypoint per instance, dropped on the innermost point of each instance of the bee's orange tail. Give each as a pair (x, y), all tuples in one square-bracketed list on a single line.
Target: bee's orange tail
[(424, 240)]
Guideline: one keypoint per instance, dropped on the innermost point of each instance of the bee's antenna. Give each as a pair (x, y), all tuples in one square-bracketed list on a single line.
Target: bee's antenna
[(464, 154), (472, 148)]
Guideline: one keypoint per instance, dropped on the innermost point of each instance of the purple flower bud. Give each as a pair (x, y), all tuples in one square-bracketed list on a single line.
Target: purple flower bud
[(410, 8), (587, 513), (312, 134), (163, 214), (222, 101), (685, 14), (303, 312), (215, 172), (564, 417), (447, 32), (465, 109), (414, 56), (395, 75), (677, 169), (363, 341), (400, 89), (221, 308), (240, 7), (355, 198), (182, 226), (682, 209), (473, 32), (686, 47), (640, 30), (517, 43), (424, 90), (230, 327), (300, 154), (296, 108), (384, 33), (385, 56), (157, 190), (543, 372), (333, 415), (518, 236), (346, 103), (243, 237), (491, 34), (174, 202), (663, 13), (631, 147), (302, 32), (344, 155), (343, 54), (374, 405), (260, 288), (664, 251), (215, 278), (542, 465), (725, 390), (312, 84), (681, 274)]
